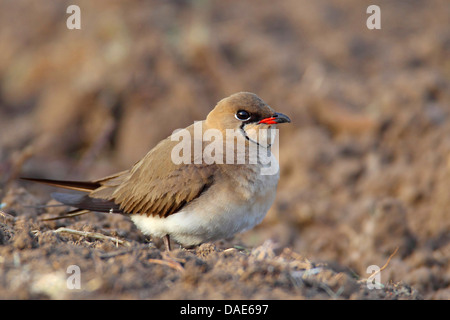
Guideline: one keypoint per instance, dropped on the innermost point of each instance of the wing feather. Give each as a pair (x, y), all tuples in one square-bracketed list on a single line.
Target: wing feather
[(155, 186)]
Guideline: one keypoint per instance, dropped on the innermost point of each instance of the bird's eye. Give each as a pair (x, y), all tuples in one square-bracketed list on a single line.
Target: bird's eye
[(242, 115)]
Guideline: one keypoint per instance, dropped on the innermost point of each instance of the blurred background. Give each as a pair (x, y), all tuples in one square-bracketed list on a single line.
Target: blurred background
[(365, 163)]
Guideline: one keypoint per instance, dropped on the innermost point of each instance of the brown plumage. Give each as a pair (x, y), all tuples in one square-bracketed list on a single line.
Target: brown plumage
[(156, 186)]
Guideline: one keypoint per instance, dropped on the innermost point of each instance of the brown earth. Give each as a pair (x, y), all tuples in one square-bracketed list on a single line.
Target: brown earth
[(365, 164)]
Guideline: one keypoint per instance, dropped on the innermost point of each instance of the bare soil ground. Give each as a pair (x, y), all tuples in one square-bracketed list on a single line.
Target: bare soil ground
[(365, 164)]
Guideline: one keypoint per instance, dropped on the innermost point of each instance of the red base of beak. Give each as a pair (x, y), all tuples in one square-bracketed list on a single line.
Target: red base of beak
[(268, 120)]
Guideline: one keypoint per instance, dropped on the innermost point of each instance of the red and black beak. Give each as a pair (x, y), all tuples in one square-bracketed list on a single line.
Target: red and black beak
[(276, 118)]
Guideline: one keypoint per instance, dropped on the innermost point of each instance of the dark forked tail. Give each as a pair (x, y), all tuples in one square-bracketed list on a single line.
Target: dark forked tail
[(82, 202), (84, 186)]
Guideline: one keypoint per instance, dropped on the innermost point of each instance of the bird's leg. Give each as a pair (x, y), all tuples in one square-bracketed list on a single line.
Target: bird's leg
[(167, 242)]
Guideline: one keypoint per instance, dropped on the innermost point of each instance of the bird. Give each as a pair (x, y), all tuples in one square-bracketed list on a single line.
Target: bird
[(197, 201)]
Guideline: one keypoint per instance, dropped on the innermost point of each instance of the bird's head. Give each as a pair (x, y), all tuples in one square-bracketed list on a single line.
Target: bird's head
[(246, 112)]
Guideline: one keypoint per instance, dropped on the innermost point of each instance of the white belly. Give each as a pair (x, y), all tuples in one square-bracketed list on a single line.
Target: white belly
[(215, 214)]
